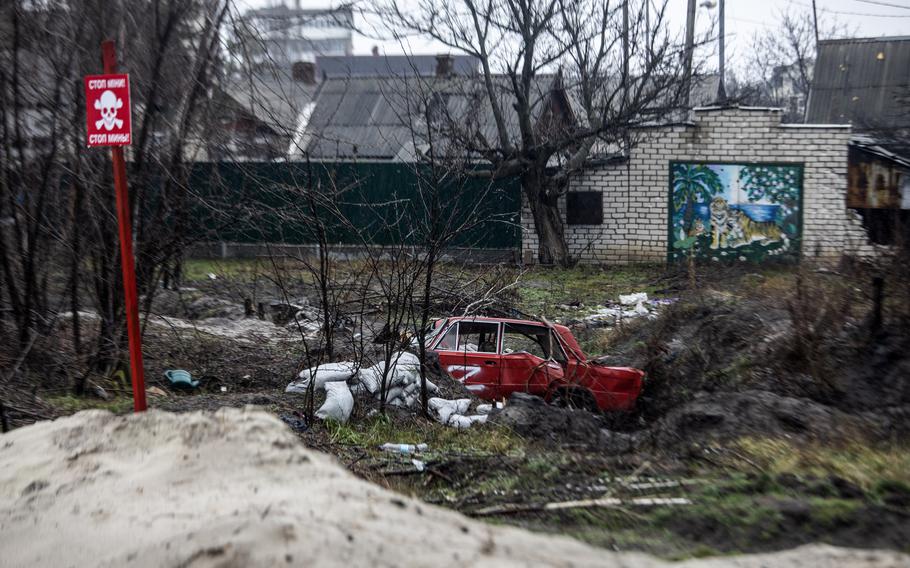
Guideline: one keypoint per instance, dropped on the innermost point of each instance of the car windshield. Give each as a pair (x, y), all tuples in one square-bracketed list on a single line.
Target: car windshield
[(433, 330)]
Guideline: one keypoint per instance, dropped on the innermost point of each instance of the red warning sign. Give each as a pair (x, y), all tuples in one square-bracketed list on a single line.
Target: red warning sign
[(107, 109)]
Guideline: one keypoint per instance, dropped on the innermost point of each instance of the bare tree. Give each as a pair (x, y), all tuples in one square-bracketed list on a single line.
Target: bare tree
[(548, 89), (781, 60)]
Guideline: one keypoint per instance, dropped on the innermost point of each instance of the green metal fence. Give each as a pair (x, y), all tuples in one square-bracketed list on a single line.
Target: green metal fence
[(377, 203)]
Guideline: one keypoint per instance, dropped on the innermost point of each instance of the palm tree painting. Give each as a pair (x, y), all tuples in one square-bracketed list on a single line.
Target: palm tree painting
[(693, 183)]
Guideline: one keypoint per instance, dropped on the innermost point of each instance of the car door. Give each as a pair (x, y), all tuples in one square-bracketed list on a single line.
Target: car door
[(469, 352), (526, 362)]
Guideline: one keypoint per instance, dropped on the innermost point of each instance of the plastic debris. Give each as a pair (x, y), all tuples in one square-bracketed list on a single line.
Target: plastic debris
[(155, 392), (633, 299), (419, 465), (295, 421), (181, 379), (403, 448)]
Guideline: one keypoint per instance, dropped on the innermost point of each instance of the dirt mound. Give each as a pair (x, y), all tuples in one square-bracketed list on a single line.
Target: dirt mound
[(730, 415), (531, 416), (235, 488)]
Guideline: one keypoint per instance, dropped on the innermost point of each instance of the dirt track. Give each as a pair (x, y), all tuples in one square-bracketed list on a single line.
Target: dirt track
[(236, 488)]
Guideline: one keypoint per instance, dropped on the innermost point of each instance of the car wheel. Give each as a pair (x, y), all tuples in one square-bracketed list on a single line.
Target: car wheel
[(574, 398)]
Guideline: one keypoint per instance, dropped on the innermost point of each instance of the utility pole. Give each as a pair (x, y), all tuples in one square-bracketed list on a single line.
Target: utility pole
[(690, 46), (721, 90), (625, 49), (648, 34), (815, 24)]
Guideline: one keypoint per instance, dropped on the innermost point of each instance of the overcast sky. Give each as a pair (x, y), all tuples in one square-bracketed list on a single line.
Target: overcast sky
[(868, 18)]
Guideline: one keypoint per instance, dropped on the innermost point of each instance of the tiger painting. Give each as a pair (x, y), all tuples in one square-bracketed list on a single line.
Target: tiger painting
[(720, 219), (734, 228), (698, 228)]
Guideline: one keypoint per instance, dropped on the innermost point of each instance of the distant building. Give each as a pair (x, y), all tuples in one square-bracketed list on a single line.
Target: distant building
[(866, 82), (788, 90), (358, 66), (281, 35)]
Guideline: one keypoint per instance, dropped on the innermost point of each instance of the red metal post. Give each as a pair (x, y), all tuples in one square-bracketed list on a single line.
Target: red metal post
[(137, 373)]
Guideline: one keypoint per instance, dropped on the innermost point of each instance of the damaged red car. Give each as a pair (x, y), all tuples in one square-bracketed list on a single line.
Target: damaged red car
[(495, 357)]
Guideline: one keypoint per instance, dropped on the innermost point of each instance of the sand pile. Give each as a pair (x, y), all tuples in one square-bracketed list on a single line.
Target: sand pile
[(235, 488)]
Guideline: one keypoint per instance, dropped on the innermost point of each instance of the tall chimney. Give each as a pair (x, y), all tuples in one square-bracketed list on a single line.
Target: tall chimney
[(445, 65), (304, 71)]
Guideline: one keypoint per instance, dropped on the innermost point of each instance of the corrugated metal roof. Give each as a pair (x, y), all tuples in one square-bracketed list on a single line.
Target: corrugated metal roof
[(379, 117), (273, 97), (862, 81)]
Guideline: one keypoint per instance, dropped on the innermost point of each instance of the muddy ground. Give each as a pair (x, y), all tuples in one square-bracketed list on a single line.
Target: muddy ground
[(773, 413)]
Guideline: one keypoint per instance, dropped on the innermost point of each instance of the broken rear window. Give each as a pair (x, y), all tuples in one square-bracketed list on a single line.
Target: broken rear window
[(536, 340)]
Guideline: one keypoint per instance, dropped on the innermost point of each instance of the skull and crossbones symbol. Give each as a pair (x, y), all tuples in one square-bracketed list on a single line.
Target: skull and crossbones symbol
[(108, 104)]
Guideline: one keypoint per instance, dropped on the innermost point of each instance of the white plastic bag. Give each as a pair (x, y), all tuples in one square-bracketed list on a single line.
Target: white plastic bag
[(632, 299)]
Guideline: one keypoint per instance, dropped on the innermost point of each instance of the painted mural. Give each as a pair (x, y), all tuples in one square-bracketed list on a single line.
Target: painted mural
[(735, 212)]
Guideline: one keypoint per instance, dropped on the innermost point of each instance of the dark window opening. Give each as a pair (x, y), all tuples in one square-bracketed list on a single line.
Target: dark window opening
[(584, 208)]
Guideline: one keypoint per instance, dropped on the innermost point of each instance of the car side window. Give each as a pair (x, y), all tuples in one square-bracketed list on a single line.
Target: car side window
[(449, 341), (479, 337), (523, 339), (534, 339)]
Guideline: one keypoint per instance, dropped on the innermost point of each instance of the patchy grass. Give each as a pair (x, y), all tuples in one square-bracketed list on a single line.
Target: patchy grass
[(374, 431), (865, 466), (541, 290), (69, 404), (239, 270)]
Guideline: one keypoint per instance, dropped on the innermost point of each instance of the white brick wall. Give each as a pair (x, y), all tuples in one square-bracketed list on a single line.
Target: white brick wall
[(635, 194)]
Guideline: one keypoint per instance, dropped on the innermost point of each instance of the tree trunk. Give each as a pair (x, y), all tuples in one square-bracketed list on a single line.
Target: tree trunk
[(552, 247)]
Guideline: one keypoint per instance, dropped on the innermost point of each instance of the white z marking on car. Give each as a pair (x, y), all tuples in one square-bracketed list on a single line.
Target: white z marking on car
[(469, 371)]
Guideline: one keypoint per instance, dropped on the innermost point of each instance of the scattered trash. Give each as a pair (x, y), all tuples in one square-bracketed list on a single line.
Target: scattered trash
[(100, 392), (338, 402), (212, 276), (181, 379), (155, 392), (484, 408), (223, 389), (403, 448), (296, 422), (633, 299), (419, 465), (641, 306), (510, 508)]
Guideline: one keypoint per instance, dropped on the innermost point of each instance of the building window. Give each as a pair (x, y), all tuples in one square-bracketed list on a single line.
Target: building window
[(585, 208)]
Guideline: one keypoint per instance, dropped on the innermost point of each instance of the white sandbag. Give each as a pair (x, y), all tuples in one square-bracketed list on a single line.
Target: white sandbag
[(442, 408), (326, 373), (338, 402), (370, 377), (405, 370), (484, 408), (461, 421), (391, 394)]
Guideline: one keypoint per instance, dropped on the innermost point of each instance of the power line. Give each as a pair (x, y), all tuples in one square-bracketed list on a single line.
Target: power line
[(843, 13), (888, 4)]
